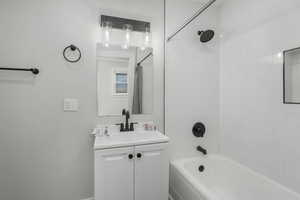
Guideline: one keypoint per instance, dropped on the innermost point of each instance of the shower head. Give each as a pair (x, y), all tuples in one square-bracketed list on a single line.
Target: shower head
[(206, 36)]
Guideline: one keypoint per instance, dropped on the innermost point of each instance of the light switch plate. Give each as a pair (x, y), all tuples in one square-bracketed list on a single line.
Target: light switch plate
[(71, 105)]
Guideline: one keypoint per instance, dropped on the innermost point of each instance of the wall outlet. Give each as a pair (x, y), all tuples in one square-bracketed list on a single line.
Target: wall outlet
[(71, 105)]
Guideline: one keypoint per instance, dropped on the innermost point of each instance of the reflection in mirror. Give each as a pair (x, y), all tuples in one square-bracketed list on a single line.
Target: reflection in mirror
[(128, 75), (292, 76), (125, 80)]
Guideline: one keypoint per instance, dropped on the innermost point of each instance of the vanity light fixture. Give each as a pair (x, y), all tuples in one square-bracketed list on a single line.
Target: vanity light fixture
[(146, 38), (126, 27), (106, 27), (127, 30)]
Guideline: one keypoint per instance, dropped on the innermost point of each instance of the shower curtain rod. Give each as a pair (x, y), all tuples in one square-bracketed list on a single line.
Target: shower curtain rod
[(199, 12), (147, 56)]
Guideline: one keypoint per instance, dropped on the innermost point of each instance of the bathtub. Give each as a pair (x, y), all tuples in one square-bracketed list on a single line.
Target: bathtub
[(222, 179)]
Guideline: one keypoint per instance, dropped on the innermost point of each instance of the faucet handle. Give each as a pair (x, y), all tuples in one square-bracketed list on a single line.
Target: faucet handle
[(121, 127), (131, 128)]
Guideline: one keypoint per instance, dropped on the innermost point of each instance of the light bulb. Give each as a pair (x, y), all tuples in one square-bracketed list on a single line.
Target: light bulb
[(107, 26), (128, 29), (125, 46), (146, 42)]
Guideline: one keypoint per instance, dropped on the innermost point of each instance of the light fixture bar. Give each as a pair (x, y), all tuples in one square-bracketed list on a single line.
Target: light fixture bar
[(118, 23)]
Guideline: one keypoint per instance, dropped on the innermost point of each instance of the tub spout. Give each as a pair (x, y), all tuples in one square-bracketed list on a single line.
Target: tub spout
[(202, 150)]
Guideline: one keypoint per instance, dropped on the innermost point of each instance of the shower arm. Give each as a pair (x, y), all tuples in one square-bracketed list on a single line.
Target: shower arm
[(199, 12)]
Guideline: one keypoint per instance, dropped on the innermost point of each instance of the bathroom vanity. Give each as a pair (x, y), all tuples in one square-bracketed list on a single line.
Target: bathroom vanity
[(131, 166)]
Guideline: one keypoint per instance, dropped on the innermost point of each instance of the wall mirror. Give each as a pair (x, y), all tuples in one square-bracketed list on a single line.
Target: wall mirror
[(130, 60), (125, 80), (291, 76)]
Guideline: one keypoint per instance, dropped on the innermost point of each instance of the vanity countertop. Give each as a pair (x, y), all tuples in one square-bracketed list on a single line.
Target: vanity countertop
[(125, 139)]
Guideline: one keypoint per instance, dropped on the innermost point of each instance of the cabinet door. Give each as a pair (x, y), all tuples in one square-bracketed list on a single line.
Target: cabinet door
[(151, 172), (114, 174)]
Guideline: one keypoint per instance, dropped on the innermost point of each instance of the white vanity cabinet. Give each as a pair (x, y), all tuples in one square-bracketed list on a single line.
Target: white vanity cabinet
[(151, 172), (114, 174), (132, 173)]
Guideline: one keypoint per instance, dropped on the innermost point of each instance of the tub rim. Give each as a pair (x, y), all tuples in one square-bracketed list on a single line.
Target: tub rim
[(178, 164)]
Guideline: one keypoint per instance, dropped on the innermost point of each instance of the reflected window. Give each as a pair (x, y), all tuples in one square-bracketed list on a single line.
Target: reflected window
[(121, 83)]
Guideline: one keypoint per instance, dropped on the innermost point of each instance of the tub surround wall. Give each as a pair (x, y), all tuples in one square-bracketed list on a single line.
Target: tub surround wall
[(257, 128), (192, 80)]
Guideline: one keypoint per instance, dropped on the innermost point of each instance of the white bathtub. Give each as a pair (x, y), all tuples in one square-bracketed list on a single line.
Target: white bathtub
[(222, 179)]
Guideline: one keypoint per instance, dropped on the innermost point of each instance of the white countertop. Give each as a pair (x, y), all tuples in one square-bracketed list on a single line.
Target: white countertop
[(125, 139)]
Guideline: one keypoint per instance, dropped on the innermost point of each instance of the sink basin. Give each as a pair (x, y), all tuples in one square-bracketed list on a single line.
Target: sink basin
[(124, 139)]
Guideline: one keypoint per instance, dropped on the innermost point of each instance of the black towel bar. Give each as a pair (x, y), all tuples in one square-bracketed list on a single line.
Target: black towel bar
[(35, 71)]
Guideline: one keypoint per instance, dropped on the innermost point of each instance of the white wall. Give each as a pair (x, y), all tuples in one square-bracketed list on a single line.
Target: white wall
[(192, 80), (257, 128), (46, 153)]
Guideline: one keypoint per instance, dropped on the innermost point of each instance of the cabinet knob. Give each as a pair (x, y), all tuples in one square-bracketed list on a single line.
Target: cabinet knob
[(139, 155), (130, 156)]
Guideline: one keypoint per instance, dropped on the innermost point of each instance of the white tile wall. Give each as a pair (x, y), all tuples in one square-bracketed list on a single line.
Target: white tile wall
[(192, 80), (257, 128)]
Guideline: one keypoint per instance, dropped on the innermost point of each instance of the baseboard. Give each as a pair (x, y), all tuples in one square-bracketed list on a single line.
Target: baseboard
[(170, 197), (91, 198)]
